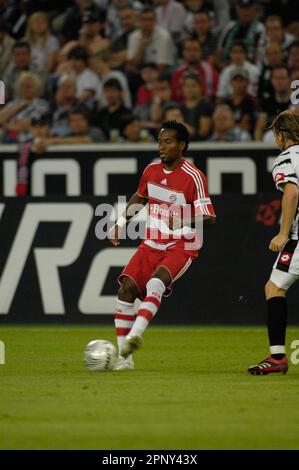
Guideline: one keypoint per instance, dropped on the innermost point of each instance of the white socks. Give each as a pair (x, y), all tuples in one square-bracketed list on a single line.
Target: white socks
[(278, 349), (123, 320), (149, 307)]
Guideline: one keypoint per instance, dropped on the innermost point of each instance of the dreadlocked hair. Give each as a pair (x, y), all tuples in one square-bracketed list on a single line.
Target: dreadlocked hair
[(182, 133)]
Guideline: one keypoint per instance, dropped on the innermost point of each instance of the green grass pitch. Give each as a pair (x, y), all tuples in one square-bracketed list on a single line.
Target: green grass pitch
[(190, 390)]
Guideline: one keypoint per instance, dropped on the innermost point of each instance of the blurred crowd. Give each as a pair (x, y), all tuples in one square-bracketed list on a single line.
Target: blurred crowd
[(84, 71)]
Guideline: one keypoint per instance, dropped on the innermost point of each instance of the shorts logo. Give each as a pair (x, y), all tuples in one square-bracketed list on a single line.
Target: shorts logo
[(172, 198), (285, 258)]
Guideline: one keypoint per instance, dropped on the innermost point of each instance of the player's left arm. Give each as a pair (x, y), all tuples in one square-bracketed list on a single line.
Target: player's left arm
[(289, 206), (203, 206)]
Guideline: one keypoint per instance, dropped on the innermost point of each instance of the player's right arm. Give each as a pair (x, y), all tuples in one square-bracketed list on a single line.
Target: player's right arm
[(134, 205), (285, 177), (289, 207)]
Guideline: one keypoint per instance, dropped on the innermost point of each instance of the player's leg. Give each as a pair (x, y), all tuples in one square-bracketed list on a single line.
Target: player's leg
[(171, 266), (284, 273), (124, 309), (125, 317), (155, 289), (132, 280), (277, 314)]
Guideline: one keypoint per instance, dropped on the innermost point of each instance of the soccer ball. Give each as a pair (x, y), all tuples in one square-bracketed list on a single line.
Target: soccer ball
[(100, 355)]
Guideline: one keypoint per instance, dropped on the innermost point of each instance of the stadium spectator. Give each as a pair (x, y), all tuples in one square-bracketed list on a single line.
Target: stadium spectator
[(173, 112), (245, 107), (16, 116), (275, 33), (89, 36), (203, 31), (100, 63), (224, 127), (110, 118), (65, 100), (150, 43), (219, 9), (191, 7), (87, 82), (273, 58), (221, 12), (293, 62), (238, 59), (73, 19), (246, 28), (290, 15), (192, 54), (113, 23), (197, 110), (279, 101), (6, 45), (15, 14), (21, 62), (127, 18), (92, 32), (149, 74), (151, 115), (140, 41), (171, 16), (81, 132), (132, 131), (39, 131), (44, 46)]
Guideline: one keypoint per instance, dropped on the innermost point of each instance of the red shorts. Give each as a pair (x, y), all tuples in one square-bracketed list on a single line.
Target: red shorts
[(146, 260)]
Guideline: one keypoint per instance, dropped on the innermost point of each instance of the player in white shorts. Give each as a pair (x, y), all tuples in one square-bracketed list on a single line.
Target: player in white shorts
[(286, 267)]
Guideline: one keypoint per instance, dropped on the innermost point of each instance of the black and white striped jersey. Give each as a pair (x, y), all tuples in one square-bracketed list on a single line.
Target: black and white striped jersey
[(286, 170)]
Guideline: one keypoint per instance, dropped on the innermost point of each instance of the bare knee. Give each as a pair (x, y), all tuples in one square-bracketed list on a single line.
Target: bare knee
[(128, 292), (272, 290), (163, 274)]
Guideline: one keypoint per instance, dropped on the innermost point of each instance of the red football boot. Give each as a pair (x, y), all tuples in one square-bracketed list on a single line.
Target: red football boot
[(269, 365)]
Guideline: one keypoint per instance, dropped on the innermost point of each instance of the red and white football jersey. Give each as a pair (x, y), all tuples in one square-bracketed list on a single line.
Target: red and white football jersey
[(182, 191)]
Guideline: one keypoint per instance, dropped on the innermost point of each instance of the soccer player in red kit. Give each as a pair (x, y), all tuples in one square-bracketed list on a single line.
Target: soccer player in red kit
[(170, 245)]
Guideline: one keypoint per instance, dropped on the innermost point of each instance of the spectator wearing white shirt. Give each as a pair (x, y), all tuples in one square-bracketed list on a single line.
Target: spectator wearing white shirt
[(238, 58), (64, 100), (87, 82), (44, 46), (114, 27), (225, 129), (150, 43), (275, 33), (100, 64), (273, 57), (219, 10), (16, 116), (171, 16), (127, 17), (247, 28)]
